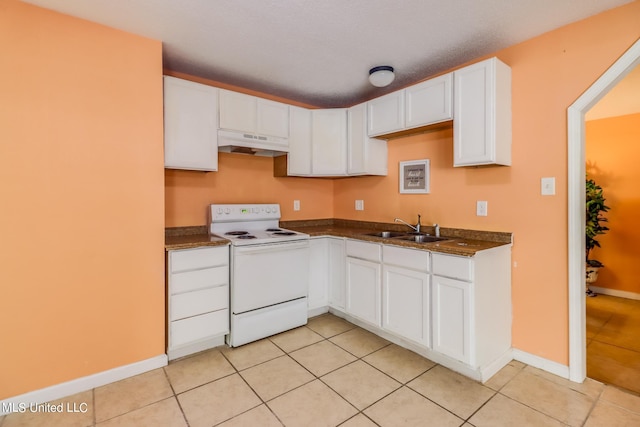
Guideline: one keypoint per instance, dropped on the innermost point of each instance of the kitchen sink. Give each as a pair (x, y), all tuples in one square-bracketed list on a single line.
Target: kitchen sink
[(387, 234), (423, 238)]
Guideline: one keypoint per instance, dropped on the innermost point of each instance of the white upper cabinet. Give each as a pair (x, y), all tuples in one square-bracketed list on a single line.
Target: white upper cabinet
[(386, 114), (329, 142), (299, 157), (482, 114), (429, 102), (190, 125), (366, 156), (419, 105), (246, 113)]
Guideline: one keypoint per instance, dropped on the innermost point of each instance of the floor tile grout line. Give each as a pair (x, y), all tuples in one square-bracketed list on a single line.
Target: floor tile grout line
[(175, 396), (532, 408)]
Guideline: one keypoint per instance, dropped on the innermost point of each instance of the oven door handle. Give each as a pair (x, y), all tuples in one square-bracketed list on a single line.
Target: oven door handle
[(272, 247)]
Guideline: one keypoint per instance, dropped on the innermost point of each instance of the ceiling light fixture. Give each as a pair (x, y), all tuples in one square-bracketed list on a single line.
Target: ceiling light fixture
[(381, 76)]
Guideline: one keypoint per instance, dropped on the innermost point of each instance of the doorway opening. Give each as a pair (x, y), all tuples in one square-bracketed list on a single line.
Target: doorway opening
[(576, 201)]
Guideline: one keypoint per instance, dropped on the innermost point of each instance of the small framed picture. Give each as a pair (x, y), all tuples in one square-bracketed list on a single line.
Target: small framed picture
[(414, 177)]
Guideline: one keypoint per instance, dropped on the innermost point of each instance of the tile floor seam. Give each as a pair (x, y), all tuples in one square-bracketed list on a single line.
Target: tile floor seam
[(395, 379), (534, 409), (184, 415), (438, 404), (495, 393)]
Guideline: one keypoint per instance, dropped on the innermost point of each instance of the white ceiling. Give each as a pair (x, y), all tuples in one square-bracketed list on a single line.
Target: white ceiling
[(320, 51)]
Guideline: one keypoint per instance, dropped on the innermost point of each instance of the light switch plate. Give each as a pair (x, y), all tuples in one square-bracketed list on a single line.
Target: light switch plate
[(359, 205), (481, 208), (548, 186), (296, 205)]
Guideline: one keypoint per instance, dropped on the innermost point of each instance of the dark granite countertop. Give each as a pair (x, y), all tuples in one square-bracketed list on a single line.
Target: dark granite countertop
[(459, 241)]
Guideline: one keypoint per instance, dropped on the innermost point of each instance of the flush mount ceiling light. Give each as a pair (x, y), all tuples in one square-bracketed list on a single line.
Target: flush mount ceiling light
[(381, 76)]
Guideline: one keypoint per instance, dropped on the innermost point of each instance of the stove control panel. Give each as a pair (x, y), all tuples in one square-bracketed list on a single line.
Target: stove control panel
[(244, 212)]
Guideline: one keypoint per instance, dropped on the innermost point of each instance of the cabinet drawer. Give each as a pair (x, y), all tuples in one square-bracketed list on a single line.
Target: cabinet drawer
[(199, 302), (363, 250), (453, 266), (191, 259), (409, 258), (196, 328), (198, 279)]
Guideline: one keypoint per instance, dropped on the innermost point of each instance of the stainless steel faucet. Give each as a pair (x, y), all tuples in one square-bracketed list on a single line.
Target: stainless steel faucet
[(415, 228)]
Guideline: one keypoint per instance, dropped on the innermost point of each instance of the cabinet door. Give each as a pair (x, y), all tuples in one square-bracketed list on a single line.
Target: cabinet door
[(299, 158), (366, 156), (429, 102), (386, 114), (238, 111), (273, 118), (318, 273), (190, 125), (337, 273), (363, 290), (452, 318), (406, 303), (329, 142), (482, 114)]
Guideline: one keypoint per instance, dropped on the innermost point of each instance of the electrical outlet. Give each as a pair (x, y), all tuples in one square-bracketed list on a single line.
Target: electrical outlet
[(548, 186), (296, 205), (359, 205), (481, 208)]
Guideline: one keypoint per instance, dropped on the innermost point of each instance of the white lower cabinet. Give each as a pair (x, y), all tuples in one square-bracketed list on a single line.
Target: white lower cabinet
[(337, 291), (406, 294), (363, 274), (405, 309), (197, 299), (318, 273), (451, 318)]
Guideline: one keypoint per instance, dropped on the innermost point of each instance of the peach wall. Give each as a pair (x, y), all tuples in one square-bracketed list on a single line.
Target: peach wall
[(242, 179), (612, 153), (549, 73), (81, 226)]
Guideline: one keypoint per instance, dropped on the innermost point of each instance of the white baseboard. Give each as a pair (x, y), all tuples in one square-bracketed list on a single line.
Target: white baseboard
[(313, 312), (615, 292), (541, 363), (89, 382)]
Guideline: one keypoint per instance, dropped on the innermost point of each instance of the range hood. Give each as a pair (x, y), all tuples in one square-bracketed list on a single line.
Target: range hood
[(250, 143)]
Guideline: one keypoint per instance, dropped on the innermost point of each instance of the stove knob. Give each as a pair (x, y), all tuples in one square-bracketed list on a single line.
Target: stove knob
[(220, 210), (227, 211), (268, 209), (275, 209)]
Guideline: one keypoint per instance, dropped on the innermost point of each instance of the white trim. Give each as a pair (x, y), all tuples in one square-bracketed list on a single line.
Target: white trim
[(89, 382), (615, 292), (576, 190), (541, 363)]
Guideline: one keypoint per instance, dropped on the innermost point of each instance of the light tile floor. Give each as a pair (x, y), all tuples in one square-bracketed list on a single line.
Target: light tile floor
[(613, 341), (332, 373)]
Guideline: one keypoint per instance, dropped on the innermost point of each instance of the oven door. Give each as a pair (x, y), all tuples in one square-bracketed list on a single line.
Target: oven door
[(264, 275)]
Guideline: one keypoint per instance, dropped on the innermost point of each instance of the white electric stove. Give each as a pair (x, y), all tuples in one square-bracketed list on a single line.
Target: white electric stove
[(269, 270)]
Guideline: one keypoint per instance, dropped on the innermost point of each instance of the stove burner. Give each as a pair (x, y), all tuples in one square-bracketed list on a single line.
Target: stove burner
[(285, 233), (273, 229), (246, 236), (236, 233)]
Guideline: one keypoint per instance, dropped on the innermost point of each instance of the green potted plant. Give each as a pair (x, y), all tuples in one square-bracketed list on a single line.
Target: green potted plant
[(595, 207)]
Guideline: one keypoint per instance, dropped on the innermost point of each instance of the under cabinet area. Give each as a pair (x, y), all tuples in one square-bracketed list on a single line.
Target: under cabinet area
[(190, 125), (197, 299)]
